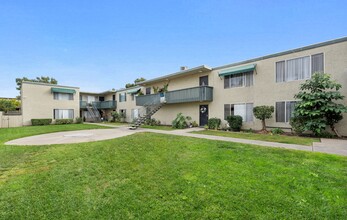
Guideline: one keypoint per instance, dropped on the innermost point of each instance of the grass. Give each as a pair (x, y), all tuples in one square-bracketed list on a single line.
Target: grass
[(151, 176), (117, 123), (262, 137), (159, 127), (14, 133)]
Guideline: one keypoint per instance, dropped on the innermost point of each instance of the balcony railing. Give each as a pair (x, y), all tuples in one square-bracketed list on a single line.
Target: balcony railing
[(100, 104), (195, 94)]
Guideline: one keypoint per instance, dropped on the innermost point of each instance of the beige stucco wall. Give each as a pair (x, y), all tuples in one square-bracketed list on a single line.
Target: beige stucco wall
[(267, 92), (182, 82), (129, 104), (169, 112), (38, 101)]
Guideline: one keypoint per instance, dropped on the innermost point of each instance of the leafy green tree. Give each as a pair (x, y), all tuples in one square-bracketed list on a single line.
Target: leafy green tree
[(9, 105), (141, 79), (181, 121), (42, 79), (262, 113), (317, 106)]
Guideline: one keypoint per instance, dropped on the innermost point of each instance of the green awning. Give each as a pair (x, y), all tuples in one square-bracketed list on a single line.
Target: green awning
[(236, 70), (133, 91), (62, 90)]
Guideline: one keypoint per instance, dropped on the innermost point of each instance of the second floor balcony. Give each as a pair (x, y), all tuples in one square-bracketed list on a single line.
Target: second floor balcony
[(195, 94), (100, 104)]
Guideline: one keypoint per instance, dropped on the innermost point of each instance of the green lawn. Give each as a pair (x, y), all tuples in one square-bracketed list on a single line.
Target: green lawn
[(7, 134), (262, 137), (117, 123), (159, 127), (151, 176)]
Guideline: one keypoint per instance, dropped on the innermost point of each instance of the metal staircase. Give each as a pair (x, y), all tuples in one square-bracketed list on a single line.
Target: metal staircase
[(145, 113), (93, 112)]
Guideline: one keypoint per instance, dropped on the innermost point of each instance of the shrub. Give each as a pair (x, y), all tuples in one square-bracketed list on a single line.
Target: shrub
[(213, 123), (325, 134), (235, 122), (42, 121), (195, 124), (297, 124), (250, 130), (263, 112), (181, 121), (320, 104), (63, 121), (152, 122), (277, 131), (79, 120), (117, 116)]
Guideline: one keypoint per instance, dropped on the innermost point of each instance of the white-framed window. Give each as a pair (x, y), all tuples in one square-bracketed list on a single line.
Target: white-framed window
[(299, 68), (238, 80), (122, 97), (62, 96), (284, 111), (91, 99), (134, 113), (245, 110), (63, 113)]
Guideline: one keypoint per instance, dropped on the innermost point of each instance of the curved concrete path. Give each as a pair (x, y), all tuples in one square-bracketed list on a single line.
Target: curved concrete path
[(330, 146), (68, 137)]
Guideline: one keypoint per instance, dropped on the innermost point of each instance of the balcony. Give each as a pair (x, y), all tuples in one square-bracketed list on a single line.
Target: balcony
[(195, 94), (101, 104)]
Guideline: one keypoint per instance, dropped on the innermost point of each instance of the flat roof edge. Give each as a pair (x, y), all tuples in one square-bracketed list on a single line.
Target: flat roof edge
[(174, 74), (312, 46), (48, 84)]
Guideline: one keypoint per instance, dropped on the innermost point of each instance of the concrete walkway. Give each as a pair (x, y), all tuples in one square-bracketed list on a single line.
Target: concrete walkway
[(330, 146), (68, 137)]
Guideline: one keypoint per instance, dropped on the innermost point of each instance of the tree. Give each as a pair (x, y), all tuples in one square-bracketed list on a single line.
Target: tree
[(141, 79), (317, 105), (262, 113), (42, 79), (9, 105)]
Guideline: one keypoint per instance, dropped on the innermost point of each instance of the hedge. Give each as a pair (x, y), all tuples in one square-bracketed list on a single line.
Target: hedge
[(41, 121), (63, 121)]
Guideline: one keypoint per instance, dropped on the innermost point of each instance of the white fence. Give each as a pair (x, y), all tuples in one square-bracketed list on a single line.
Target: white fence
[(10, 121)]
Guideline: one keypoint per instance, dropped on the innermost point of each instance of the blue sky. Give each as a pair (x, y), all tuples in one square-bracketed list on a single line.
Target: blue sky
[(100, 45)]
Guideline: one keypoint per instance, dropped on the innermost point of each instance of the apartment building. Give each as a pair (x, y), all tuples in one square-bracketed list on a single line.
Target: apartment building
[(202, 92), (126, 103), (234, 89), (42, 100), (97, 106)]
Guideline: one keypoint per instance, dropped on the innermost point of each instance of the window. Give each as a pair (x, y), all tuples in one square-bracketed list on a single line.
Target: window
[(317, 65), (284, 111), (114, 97), (244, 110), (132, 97), (123, 112), (134, 113), (148, 90), (299, 68), (90, 99), (62, 96), (122, 97), (239, 80), (63, 113)]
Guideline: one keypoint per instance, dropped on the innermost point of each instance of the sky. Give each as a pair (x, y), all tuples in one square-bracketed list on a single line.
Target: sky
[(100, 45)]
